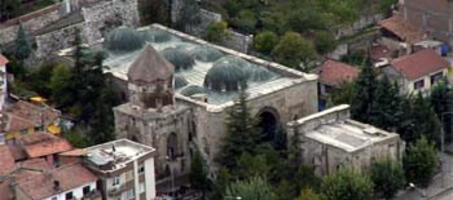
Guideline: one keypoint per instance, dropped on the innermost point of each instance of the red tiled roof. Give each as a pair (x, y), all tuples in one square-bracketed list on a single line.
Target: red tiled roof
[(16, 152), (401, 28), (42, 144), (419, 64), (3, 60), (74, 152), (41, 185), (36, 164), (7, 164), (380, 51), (39, 114), (334, 73), (16, 123), (5, 190)]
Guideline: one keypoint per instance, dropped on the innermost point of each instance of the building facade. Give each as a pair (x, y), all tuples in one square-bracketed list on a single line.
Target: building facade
[(330, 140)]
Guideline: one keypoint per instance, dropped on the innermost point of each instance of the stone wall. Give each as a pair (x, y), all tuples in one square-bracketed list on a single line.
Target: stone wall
[(48, 43), (31, 22)]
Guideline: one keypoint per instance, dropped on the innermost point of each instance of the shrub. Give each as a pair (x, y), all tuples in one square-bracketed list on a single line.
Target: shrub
[(216, 31), (388, 177), (293, 50), (265, 41), (348, 184), (420, 162)]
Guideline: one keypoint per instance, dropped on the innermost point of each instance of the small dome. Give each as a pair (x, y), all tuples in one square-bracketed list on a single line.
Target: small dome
[(180, 58), (206, 54), (193, 89), (124, 39), (258, 74), (156, 36), (227, 74), (180, 82)]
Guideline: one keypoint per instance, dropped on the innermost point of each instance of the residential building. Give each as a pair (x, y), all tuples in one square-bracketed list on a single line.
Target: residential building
[(3, 81), (330, 140), (125, 169), (417, 72), (44, 145), (434, 17), (332, 75)]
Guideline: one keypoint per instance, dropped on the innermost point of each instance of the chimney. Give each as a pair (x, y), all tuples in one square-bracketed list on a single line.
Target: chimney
[(56, 185)]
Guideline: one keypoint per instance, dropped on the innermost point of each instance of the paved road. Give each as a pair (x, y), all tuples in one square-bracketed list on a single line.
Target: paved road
[(445, 196)]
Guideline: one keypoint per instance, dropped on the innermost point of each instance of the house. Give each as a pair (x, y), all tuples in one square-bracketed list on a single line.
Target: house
[(3, 81), (417, 72), (65, 183), (330, 140), (125, 169), (332, 74), (398, 35)]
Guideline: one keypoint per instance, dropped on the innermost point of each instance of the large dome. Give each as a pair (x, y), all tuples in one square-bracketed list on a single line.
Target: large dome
[(156, 36), (227, 74), (257, 73), (206, 54), (180, 58), (193, 89), (124, 39)]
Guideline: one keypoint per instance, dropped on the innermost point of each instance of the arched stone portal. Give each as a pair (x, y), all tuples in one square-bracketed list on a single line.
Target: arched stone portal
[(269, 121)]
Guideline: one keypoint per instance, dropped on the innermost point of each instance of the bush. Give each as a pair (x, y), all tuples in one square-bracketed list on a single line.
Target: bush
[(265, 41), (324, 42), (293, 50), (388, 177), (308, 194), (245, 21), (255, 188), (420, 162), (348, 184), (216, 31)]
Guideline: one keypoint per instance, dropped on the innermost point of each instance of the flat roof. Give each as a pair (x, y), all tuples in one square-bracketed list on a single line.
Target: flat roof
[(116, 153), (348, 135)]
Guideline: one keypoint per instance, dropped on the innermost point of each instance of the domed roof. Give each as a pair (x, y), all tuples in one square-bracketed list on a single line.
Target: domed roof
[(193, 89), (156, 36), (124, 39), (256, 73), (179, 57), (206, 54), (149, 67), (227, 74), (180, 82)]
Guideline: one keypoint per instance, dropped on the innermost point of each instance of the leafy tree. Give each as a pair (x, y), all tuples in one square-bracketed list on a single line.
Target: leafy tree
[(255, 188), (190, 15), (249, 166), (309, 194), (198, 173), (285, 190), (420, 162), (385, 111), (324, 42), (441, 100), (242, 134), (306, 178), (245, 21), (60, 84), (365, 87), (23, 47), (388, 177), (345, 94), (293, 50), (425, 119), (348, 184), (265, 41), (386, 6), (217, 31), (8, 8)]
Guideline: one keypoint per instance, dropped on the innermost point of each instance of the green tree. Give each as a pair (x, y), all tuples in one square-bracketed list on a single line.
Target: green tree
[(285, 190), (23, 47), (365, 87), (198, 173), (245, 21), (217, 31), (293, 50), (60, 84), (441, 99), (242, 134), (420, 162), (388, 177), (424, 119), (324, 42), (265, 41), (345, 94), (255, 188), (8, 8), (249, 166), (348, 184), (306, 178), (309, 194), (385, 110), (190, 15)]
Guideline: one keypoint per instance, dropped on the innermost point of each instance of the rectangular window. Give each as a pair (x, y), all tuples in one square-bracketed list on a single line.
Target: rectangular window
[(141, 169), (419, 84), (142, 188), (69, 196), (86, 190), (435, 78), (130, 194), (116, 180)]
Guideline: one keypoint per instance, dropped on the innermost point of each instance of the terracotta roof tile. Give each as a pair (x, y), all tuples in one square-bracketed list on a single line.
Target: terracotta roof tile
[(5, 190), (41, 185), (401, 28), (149, 67), (334, 73), (3, 60), (419, 64), (380, 51), (42, 144), (39, 114), (7, 164), (16, 123), (16, 152), (36, 164)]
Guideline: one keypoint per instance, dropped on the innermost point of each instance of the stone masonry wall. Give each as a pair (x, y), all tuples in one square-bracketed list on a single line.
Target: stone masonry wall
[(48, 43)]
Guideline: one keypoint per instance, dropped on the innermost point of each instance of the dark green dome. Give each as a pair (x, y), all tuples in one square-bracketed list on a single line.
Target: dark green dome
[(180, 82), (193, 89), (227, 74), (124, 39), (156, 36), (206, 54), (256, 73), (179, 57)]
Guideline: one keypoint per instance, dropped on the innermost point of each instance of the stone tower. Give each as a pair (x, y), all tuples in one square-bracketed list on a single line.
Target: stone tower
[(151, 80)]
